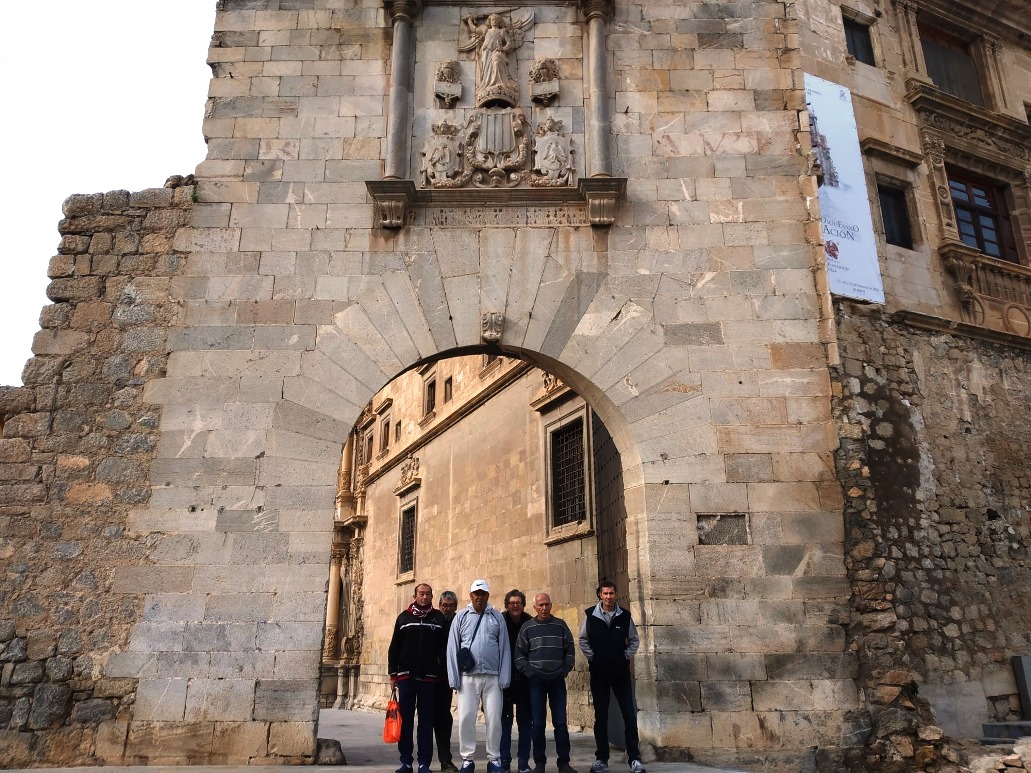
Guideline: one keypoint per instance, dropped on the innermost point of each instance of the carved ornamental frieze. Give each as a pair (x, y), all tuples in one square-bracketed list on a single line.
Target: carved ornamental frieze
[(503, 145)]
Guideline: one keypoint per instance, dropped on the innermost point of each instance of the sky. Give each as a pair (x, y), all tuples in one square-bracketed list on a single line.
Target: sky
[(99, 95)]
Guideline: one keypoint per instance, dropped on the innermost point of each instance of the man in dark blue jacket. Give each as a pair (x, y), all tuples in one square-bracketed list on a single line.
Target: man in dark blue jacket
[(415, 661), (608, 639)]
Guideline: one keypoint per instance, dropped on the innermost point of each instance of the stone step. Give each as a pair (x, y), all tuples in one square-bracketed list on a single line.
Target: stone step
[(1010, 730), (995, 741)]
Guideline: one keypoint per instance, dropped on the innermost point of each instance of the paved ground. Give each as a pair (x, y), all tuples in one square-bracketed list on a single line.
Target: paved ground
[(360, 735)]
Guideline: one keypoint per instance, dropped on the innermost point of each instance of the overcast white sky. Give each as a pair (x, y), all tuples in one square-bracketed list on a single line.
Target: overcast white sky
[(98, 95)]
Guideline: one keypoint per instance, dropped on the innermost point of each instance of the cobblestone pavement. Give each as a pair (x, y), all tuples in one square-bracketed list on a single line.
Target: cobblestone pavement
[(359, 734)]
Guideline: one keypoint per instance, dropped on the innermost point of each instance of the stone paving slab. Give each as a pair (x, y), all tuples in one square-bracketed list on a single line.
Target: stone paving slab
[(359, 734)]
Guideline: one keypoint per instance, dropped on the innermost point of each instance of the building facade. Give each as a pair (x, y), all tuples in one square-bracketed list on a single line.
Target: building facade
[(477, 466), (822, 492)]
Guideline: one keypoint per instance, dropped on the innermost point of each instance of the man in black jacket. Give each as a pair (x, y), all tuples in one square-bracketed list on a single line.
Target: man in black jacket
[(443, 722), (515, 699), (415, 661), (608, 639)]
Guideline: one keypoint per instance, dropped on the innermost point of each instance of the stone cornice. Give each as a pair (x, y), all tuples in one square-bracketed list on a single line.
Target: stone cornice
[(953, 327), (395, 198), (1008, 19), (974, 131)]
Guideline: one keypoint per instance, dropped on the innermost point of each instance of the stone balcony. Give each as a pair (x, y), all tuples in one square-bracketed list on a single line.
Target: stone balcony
[(994, 293)]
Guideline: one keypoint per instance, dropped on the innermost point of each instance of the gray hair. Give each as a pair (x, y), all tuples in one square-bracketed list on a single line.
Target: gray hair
[(449, 595)]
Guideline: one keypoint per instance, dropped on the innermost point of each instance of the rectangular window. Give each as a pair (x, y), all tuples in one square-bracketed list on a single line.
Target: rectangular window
[(384, 433), (981, 216), (430, 396), (895, 216), (858, 41), (448, 389), (397, 432), (951, 65), (568, 474), (367, 446), (406, 540)]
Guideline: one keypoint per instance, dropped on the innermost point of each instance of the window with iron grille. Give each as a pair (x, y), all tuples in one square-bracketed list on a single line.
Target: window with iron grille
[(982, 217), (406, 540), (568, 474)]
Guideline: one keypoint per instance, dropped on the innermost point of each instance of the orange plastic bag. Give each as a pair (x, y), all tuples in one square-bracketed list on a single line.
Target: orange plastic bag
[(392, 722)]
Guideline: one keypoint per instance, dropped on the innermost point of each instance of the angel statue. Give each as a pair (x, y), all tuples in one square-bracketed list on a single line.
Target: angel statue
[(493, 41)]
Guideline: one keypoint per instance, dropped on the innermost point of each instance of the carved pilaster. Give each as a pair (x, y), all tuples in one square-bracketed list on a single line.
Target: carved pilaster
[(934, 156), (909, 36), (992, 48)]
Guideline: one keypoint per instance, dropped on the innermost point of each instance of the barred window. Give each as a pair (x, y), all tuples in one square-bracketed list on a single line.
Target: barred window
[(568, 474), (406, 540)]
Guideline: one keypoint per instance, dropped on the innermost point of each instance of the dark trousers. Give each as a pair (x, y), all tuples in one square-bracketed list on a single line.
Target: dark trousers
[(623, 688), (542, 693), (416, 696), (443, 722), (515, 703)]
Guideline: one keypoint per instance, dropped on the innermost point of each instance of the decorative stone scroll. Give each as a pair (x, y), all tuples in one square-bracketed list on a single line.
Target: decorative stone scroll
[(492, 326)]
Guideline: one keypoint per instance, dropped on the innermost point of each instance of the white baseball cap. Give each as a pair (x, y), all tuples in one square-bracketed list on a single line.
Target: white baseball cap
[(479, 585)]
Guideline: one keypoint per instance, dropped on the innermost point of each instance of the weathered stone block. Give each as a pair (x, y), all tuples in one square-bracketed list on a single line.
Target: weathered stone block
[(290, 739), (160, 699), (50, 706), (225, 699), (180, 740), (93, 711), (281, 700)]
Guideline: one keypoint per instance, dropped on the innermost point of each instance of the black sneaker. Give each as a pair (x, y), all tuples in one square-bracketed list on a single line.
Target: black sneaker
[(468, 766), (448, 767), (566, 768)]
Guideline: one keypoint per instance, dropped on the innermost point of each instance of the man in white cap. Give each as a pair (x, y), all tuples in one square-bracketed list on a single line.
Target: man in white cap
[(479, 667)]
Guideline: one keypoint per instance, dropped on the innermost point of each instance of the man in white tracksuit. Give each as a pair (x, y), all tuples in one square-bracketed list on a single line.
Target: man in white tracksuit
[(484, 681)]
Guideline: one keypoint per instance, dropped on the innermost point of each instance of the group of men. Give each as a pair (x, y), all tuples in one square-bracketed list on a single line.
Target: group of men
[(513, 666)]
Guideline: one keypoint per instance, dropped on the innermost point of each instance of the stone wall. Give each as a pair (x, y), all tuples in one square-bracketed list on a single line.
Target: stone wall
[(934, 459), (75, 456)]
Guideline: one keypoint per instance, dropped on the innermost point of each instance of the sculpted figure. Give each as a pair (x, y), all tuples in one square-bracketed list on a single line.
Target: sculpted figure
[(493, 41)]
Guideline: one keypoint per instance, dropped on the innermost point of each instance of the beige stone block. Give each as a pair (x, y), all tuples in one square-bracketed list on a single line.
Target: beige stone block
[(151, 740), (737, 730), (787, 496), (291, 738), (241, 739), (812, 527), (747, 439), (110, 742), (728, 560), (719, 497), (750, 411)]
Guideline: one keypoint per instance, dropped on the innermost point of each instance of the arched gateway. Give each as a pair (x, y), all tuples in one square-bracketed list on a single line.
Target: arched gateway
[(631, 217)]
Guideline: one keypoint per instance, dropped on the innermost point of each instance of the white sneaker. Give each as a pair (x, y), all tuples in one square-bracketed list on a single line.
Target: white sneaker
[(599, 766), (637, 767)]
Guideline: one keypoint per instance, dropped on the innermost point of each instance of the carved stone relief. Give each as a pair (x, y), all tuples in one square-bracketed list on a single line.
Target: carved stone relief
[(492, 326)]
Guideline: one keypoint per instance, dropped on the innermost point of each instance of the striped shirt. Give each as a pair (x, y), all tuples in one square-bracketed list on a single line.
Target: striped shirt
[(545, 649)]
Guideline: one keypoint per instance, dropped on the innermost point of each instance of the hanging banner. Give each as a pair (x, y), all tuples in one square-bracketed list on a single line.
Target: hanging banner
[(849, 241)]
